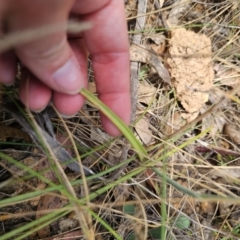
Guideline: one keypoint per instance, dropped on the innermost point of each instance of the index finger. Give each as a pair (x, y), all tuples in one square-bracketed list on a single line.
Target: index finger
[(108, 45)]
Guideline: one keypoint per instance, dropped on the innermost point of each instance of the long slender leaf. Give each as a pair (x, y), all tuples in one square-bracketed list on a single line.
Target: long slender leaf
[(117, 122)]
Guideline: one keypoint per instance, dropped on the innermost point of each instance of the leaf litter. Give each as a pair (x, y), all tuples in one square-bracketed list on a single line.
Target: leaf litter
[(187, 61)]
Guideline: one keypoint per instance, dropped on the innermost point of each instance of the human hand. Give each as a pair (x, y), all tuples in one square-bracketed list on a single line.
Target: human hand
[(55, 66)]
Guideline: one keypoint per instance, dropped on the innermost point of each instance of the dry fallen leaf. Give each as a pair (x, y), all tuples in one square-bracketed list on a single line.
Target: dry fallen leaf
[(232, 132), (227, 76), (142, 129), (7, 132), (35, 201), (131, 8), (189, 116), (177, 11), (146, 92), (229, 174), (45, 169), (158, 39), (139, 53), (98, 135), (215, 124), (48, 202)]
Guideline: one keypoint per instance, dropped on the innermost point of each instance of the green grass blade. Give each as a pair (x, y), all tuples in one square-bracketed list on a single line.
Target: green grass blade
[(37, 224), (104, 224), (116, 121)]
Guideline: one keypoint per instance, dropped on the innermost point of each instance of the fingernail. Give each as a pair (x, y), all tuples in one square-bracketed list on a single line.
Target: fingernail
[(68, 116), (38, 110), (8, 84), (68, 77), (7, 77)]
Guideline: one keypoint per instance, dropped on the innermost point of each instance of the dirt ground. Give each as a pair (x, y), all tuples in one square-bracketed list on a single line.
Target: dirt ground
[(185, 84)]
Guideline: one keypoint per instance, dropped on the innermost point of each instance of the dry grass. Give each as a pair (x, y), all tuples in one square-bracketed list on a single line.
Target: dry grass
[(198, 150)]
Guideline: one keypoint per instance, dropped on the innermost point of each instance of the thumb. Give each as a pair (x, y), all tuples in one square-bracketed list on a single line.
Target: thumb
[(49, 58)]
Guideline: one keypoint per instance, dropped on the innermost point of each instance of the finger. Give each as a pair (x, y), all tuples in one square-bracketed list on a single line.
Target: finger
[(69, 105), (88, 6), (8, 68), (107, 43), (33, 93), (49, 58)]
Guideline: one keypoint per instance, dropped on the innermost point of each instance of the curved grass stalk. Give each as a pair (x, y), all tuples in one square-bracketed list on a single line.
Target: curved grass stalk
[(117, 122)]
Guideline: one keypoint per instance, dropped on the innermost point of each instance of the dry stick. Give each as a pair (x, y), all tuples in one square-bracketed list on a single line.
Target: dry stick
[(18, 38), (149, 13), (140, 23), (158, 7)]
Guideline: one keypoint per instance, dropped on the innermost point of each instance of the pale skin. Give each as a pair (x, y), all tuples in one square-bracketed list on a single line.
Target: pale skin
[(55, 67)]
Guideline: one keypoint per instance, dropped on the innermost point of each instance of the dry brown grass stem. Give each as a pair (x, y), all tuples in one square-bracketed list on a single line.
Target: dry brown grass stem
[(77, 208), (18, 38)]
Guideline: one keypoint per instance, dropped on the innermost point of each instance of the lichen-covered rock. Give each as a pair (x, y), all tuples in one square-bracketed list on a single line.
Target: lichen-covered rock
[(191, 68)]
